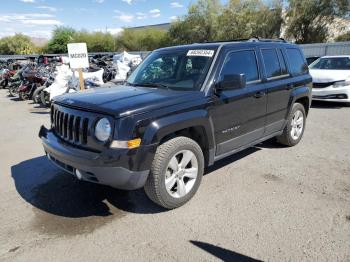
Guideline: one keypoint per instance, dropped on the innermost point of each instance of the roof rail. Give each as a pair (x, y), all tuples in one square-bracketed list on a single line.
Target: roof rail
[(252, 39), (258, 39), (224, 41)]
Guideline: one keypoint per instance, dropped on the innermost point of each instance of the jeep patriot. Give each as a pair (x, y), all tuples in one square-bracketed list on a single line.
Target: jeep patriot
[(182, 109)]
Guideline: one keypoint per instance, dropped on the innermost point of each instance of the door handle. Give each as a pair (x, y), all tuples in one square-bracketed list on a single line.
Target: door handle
[(259, 94), (290, 86)]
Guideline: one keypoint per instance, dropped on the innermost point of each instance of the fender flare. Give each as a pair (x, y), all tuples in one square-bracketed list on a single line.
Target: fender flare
[(159, 128), (298, 93)]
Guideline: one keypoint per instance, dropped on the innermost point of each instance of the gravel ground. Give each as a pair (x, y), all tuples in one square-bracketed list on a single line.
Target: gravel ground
[(266, 203)]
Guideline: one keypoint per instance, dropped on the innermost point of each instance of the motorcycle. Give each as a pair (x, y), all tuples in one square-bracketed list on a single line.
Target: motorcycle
[(5, 76)]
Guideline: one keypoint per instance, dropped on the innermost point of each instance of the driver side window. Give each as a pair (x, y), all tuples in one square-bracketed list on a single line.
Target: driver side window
[(241, 62)]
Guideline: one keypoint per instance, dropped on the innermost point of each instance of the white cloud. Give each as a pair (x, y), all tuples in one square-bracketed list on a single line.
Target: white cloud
[(176, 5), (173, 18), (48, 8), (99, 1), (127, 1), (124, 17), (36, 21), (28, 1), (113, 31), (155, 13), (42, 22), (141, 16)]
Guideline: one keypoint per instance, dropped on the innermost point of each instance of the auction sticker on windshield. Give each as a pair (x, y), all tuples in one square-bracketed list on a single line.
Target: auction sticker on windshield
[(200, 52)]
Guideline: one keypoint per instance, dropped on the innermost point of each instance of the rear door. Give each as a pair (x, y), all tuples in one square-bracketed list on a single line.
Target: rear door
[(279, 88), (239, 114)]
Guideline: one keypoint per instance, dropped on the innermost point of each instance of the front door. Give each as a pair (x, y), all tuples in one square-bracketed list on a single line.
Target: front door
[(239, 114)]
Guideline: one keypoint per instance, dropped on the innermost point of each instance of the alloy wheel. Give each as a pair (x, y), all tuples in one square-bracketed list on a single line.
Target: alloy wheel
[(181, 173)]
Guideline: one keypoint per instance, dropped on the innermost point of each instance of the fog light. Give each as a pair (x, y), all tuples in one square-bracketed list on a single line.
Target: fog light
[(78, 174)]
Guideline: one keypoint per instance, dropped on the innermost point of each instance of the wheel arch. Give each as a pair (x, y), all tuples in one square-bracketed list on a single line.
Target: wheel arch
[(196, 125)]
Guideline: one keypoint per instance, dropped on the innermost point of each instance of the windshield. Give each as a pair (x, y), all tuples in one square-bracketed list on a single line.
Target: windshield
[(183, 69), (332, 63)]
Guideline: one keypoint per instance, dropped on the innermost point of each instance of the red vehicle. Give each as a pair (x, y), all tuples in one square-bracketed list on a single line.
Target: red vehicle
[(5, 76)]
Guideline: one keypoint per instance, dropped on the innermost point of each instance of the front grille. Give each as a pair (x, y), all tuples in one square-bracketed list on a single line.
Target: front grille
[(70, 127), (322, 85), (76, 127)]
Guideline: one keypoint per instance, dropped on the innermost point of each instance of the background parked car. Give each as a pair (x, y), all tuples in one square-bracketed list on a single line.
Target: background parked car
[(311, 59), (331, 79)]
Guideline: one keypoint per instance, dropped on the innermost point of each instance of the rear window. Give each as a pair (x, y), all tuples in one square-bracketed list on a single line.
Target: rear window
[(296, 62)]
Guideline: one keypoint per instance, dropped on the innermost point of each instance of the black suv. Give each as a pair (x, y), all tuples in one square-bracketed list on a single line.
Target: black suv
[(182, 109)]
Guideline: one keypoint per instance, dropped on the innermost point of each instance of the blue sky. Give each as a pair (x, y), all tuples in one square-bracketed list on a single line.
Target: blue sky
[(37, 18)]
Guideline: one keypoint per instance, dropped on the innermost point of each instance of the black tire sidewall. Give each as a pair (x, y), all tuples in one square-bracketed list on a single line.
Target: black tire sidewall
[(166, 198)]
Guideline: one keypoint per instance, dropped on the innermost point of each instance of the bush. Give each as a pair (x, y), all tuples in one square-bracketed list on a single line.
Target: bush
[(18, 44), (142, 39), (343, 38)]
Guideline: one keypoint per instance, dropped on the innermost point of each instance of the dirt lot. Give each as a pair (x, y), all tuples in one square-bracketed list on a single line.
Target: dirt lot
[(267, 203)]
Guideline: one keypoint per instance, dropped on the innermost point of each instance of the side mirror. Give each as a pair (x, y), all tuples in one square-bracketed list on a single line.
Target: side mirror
[(229, 82)]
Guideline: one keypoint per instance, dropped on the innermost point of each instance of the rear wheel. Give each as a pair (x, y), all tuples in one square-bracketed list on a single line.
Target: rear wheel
[(23, 96), (36, 95), (45, 98), (294, 130), (176, 172)]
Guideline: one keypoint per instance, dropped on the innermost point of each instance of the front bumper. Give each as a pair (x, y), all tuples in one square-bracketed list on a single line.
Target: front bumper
[(335, 94), (116, 168)]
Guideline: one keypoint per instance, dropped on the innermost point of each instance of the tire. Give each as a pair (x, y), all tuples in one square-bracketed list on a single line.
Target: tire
[(3, 83), (13, 91), (292, 134), (37, 94), (174, 150), (23, 96), (45, 98)]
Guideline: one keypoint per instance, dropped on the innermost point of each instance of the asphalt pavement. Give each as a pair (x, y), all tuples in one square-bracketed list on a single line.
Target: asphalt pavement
[(267, 203)]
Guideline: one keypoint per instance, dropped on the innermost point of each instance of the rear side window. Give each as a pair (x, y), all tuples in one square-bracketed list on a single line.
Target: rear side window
[(271, 62), (241, 62), (296, 62), (284, 70)]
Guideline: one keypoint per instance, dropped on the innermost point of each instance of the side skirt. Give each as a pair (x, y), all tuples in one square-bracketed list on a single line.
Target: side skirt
[(218, 157)]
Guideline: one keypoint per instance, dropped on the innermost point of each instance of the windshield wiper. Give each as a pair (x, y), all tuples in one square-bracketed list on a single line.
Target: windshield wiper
[(149, 84)]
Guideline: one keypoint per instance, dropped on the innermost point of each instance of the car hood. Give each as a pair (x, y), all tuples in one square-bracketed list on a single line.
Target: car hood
[(121, 101), (325, 76)]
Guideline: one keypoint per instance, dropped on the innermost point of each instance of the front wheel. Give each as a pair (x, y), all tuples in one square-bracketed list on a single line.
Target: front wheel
[(176, 172), (13, 91), (294, 130)]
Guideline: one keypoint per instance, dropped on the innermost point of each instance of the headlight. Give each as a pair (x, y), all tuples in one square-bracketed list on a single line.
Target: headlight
[(103, 129), (341, 83)]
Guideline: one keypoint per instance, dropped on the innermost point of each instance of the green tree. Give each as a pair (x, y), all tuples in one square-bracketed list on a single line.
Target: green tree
[(307, 21), (250, 18), (61, 36), (199, 25), (95, 41), (18, 44), (142, 39), (343, 38)]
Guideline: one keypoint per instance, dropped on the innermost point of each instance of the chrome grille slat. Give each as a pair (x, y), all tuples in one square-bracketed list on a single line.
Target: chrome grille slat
[(75, 126), (65, 125), (70, 127)]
